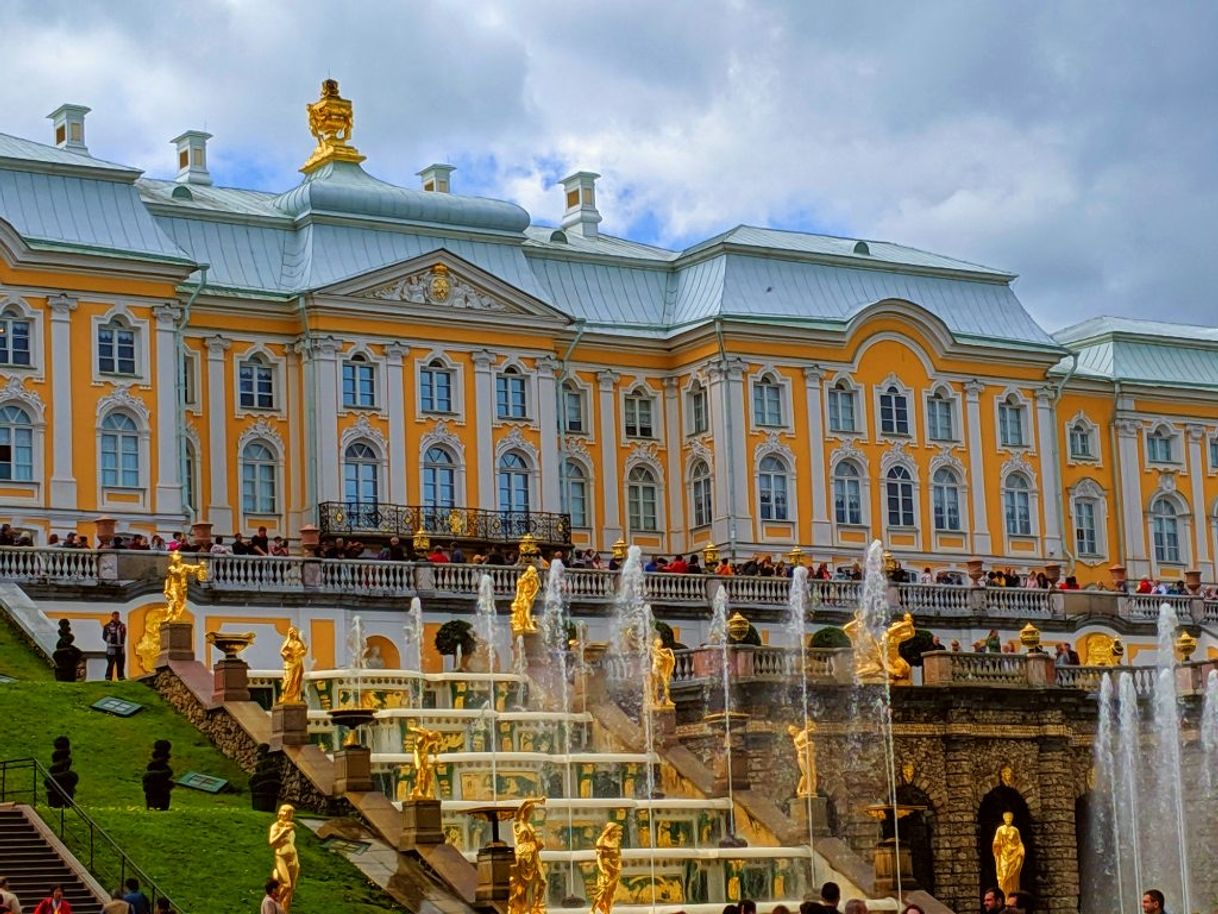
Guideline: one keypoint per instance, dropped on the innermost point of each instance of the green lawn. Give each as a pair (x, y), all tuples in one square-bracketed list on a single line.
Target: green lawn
[(208, 852), (17, 659)]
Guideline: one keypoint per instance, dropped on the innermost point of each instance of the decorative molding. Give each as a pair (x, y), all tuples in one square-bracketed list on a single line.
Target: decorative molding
[(699, 451), (847, 451), (260, 429), (121, 398), (607, 379), (217, 346), (1087, 488), (1018, 463), (813, 375), (168, 313), (897, 455), (61, 305), (396, 352), (483, 359), (363, 429), (974, 389), (578, 450), (644, 452), (436, 286), (1167, 482), (547, 366), (946, 459), (440, 435), (16, 391), (773, 444), (515, 440)]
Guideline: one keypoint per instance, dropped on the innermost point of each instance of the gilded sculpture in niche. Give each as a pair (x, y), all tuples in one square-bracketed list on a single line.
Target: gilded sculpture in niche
[(440, 287), (426, 746), (293, 651), (1008, 854), (608, 868), (879, 659), (177, 576), (805, 757)]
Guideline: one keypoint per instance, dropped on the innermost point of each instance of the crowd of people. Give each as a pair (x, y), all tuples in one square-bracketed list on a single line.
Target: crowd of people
[(128, 899)]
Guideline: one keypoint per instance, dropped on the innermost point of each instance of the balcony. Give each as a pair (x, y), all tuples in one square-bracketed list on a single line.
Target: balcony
[(378, 520)]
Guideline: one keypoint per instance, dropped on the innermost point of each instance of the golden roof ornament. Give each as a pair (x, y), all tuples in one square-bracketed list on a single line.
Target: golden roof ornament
[(331, 121)]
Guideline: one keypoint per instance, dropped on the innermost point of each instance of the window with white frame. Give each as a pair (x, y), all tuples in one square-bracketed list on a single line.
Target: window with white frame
[(842, 412), (639, 410), (573, 420), (120, 452), (436, 388), (1086, 530), (700, 492), (1160, 446), (359, 383), (945, 498), (1165, 531), (1017, 505), (1081, 444), (439, 479), (894, 412), (190, 485), (15, 348), (1214, 453), (190, 367), (899, 489), (695, 401), (767, 401), (772, 484), (256, 383), (116, 348), (16, 445), (847, 493), (641, 500), (361, 474), (940, 420), (1010, 422), (511, 394), (259, 479), (575, 493), (513, 483)]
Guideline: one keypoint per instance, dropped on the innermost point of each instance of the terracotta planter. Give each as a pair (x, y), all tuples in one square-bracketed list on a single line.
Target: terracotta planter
[(1053, 572), (1192, 580), (104, 530), (310, 539), (201, 531), (975, 570), (1118, 575)]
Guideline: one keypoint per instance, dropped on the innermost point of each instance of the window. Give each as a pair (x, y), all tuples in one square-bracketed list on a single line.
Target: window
[(115, 349), (696, 403), (575, 493), (1080, 442), (1010, 422), (767, 401), (1017, 505), (1086, 540), (1159, 447), (361, 474), (841, 408), (894, 412), (190, 394), (572, 409), (1214, 453), (641, 500), (14, 338), (16, 445), (700, 490), (189, 486), (945, 494), (439, 479), (772, 488), (513, 483), (359, 383), (847, 494), (1165, 531), (638, 415), (256, 384), (259, 472), (436, 388), (899, 486), (939, 418), (120, 451), (510, 399)]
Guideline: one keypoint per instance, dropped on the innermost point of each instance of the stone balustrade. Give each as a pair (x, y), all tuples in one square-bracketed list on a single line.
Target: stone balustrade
[(50, 566)]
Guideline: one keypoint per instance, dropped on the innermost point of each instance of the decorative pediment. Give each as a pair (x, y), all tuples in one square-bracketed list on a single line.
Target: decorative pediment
[(437, 286), (698, 450), (847, 451), (122, 398), (441, 435), (897, 455), (946, 459), (363, 429), (646, 452), (515, 440), (260, 430), (16, 391), (578, 450), (1017, 463)]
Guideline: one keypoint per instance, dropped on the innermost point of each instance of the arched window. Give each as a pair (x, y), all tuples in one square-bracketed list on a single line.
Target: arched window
[(1165, 531), (639, 409), (1160, 446), (847, 493), (1017, 505), (511, 401), (439, 479), (841, 408), (641, 500), (1086, 526), (256, 384), (361, 474), (767, 400), (700, 489), (945, 493), (14, 338), (120, 451), (115, 348), (772, 488), (900, 498), (259, 479), (16, 445), (359, 383), (573, 408), (1080, 442), (513, 483), (894, 412), (436, 388), (1011, 422), (575, 493)]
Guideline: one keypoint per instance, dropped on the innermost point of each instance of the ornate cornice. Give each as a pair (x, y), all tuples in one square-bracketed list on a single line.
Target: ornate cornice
[(362, 428), (121, 398), (15, 391), (260, 429)]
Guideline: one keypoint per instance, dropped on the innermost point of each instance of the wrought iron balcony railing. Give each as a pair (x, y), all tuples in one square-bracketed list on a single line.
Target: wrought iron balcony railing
[(356, 518)]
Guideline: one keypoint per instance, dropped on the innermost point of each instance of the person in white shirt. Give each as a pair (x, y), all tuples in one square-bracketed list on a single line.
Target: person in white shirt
[(8, 898)]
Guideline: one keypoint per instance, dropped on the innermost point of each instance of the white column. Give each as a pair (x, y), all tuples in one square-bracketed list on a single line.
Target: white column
[(298, 500), (399, 462), (977, 484), (547, 418), (611, 531), (1050, 483), (737, 428), (716, 408), (326, 446), (822, 529), (1201, 532), (1136, 558), (168, 411), (219, 509), (63, 478), (483, 419), (674, 485)]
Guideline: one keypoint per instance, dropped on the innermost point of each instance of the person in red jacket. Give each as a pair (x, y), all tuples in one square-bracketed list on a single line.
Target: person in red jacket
[(55, 904)]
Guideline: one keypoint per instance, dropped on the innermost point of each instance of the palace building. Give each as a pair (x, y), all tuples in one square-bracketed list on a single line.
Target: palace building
[(370, 359)]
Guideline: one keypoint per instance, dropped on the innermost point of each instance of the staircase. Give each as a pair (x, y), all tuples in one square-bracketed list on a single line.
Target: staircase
[(33, 860)]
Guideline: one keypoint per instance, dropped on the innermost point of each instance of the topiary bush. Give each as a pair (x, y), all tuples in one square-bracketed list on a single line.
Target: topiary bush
[(456, 634), (62, 780), (830, 636), (664, 630), (911, 651), (158, 777), (67, 655)]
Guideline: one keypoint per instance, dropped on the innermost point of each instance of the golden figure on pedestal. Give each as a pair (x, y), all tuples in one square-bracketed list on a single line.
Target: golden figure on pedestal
[(805, 755), (331, 121), (527, 880), (663, 663), (293, 651), (282, 840), (879, 659), (608, 868), (522, 605), (177, 576), (426, 747), (898, 633), (1008, 854)]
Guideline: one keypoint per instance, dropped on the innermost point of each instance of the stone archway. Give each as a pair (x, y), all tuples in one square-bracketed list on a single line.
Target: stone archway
[(1000, 800), (917, 831)]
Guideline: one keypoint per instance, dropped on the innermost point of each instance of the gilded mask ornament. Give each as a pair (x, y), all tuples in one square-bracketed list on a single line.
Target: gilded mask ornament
[(1007, 776)]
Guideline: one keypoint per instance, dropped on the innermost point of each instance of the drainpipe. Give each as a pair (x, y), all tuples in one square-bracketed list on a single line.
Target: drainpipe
[(189, 512), (1122, 533), (581, 325), (730, 435), (1060, 494)]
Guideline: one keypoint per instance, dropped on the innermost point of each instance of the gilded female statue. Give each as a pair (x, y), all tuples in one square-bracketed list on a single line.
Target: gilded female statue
[(282, 840), (1008, 854), (177, 576), (527, 880), (805, 755), (293, 652), (608, 868), (522, 606), (663, 663), (426, 748)]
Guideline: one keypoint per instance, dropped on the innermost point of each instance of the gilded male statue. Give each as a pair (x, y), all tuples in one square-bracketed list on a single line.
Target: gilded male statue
[(177, 576), (1008, 854), (663, 663), (898, 633), (426, 749)]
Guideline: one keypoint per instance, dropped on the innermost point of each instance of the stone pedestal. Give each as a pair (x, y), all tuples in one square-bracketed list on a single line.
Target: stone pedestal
[(232, 681), (664, 725), (1042, 673), (739, 772), (494, 871), (289, 725), (352, 770), (798, 813), (177, 643), (421, 824)]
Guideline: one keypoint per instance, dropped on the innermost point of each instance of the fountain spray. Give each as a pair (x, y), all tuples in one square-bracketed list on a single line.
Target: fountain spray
[(719, 639), (554, 622), (797, 628), (486, 634)]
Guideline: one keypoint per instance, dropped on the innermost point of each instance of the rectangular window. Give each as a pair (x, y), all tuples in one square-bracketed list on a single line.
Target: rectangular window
[(573, 411), (894, 413), (947, 508), (697, 412), (190, 394), (643, 508), (1214, 453), (841, 410), (1080, 442), (257, 386), (510, 397), (359, 385), (638, 417), (939, 419), (115, 350), (847, 503), (767, 404), (1010, 425), (16, 454), (436, 390), (1018, 510), (1167, 540), (120, 461), (900, 504), (1158, 449), (14, 342), (1084, 528), (258, 488)]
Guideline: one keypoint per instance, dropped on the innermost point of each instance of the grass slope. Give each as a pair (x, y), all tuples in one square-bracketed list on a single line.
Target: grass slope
[(209, 852)]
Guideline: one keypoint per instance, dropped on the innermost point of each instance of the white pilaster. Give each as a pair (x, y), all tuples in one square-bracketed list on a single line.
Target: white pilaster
[(299, 502), (326, 384), (484, 418), (399, 462), (219, 508), (1046, 429), (63, 477), (547, 418), (742, 479), (612, 529), (1201, 527), (976, 468), (1136, 558), (822, 529), (678, 527), (168, 411)]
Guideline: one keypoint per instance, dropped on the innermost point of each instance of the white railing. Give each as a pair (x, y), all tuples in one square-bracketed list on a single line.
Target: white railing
[(1209, 612), (1009, 669), (1145, 607), (836, 594), (591, 584), (936, 599), (255, 572), (53, 565), (360, 576), (1019, 602), (662, 587), (755, 591)]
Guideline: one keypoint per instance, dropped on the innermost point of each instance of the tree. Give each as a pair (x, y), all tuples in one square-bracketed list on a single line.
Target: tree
[(830, 636), (911, 651), (456, 634)]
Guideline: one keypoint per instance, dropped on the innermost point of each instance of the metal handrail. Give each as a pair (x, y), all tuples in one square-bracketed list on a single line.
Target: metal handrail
[(96, 834)]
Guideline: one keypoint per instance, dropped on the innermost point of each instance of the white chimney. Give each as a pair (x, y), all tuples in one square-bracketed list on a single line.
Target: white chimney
[(69, 121), (437, 178), (580, 194), (192, 157)]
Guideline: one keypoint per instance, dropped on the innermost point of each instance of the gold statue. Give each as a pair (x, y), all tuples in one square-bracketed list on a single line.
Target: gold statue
[(293, 652), (426, 748), (176, 578), (805, 755), (282, 840), (898, 633), (522, 606), (148, 648), (331, 120), (663, 663), (527, 879), (1008, 854), (868, 654), (608, 868)]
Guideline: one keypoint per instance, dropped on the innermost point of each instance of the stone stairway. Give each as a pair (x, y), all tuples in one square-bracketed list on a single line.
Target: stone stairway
[(34, 860)]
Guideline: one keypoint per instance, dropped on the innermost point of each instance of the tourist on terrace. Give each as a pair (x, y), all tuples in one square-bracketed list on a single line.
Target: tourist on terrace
[(157, 543), (114, 636), (677, 566), (992, 901), (830, 898), (279, 547), (260, 543), (241, 546), (7, 536), (494, 556), (724, 569), (438, 556), (695, 566), (1152, 902), (926, 577), (393, 552), (176, 542), (993, 644), (1071, 583), (1144, 586), (456, 554), (856, 906), (219, 547)]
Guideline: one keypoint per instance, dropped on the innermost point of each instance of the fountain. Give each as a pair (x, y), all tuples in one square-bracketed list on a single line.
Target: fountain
[(485, 628), (718, 638), (412, 657), (797, 634), (1209, 730), (554, 624)]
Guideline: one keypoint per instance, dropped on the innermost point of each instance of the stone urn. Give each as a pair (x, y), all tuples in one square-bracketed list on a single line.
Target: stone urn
[(975, 571), (1192, 580), (310, 539), (1029, 637), (1053, 571), (1185, 645), (200, 532), (104, 529), (1118, 576), (230, 644)]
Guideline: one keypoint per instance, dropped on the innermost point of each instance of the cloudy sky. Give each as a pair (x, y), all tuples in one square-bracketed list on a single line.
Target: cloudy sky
[(1071, 142)]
